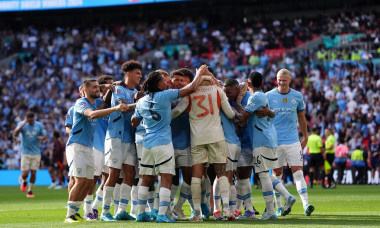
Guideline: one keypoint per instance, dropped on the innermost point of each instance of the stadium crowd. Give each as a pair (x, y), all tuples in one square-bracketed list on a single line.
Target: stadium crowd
[(50, 65)]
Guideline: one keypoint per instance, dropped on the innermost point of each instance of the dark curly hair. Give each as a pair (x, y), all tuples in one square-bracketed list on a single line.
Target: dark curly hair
[(130, 66), (256, 79), (187, 73), (151, 83)]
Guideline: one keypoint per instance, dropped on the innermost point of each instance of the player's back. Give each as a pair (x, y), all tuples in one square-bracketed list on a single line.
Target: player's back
[(204, 112)]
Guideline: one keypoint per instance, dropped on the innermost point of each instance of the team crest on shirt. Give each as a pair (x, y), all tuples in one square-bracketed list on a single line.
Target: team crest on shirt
[(285, 100), (293, 101), (79, 170), (114, 161)]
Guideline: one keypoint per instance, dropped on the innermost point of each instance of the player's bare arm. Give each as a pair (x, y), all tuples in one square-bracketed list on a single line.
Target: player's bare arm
[(265, 112), (18, 130), (104, 112), (303, 125)]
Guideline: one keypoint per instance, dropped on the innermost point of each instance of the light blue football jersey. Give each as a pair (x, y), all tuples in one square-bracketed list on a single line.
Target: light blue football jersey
[(181, 131), (29, 137), (286, 107), (140, 132), (155, 110), (261, 130), (83, 129), (243, 132), (229, 129), (100, 129), (69, 117), (119, 125)]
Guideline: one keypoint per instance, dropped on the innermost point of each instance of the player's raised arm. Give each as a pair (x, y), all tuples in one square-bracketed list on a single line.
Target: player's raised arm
[(194, 84), (182, 105), (95, 114)]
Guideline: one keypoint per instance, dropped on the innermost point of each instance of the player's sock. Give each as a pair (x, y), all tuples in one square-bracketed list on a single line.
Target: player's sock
[(267, 189), (71, 207), (125, 195), (216, 195), (301, 186), (150, 199), (323, 178), (107, 198), (183, 195), (142, 196), (330, 178), (164, 201), (279, 187), (245, 189), (30, 187), (156, 203), (239, 197), (173, 193), (116, 197), (311, 175), (196, 194), (98, 198), (224, 187), (134, 199), (278, 194), (232, 202), (203, 190), (208, 191), (87, 204)]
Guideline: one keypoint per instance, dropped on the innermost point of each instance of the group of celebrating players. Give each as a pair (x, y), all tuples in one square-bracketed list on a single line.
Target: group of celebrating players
[(178, 121)]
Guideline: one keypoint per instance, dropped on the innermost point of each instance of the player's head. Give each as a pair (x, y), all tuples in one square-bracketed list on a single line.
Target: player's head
[(81, 90), (155, 82), (30, 117), (177, 79), (166, 76), (56, 135), (132, 71), (187, 75), (327, 132), (315, 130), (255, 79), (104, 79), (91, 88), (231, 88), (283, 80)]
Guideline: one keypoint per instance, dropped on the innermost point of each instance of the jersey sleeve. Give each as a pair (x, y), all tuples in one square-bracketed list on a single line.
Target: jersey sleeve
[(98, 102), (69, 118), (42, 130), (225, 105), (81, 106), (170, 94), (118, 94), (301, 104), (252, 105)]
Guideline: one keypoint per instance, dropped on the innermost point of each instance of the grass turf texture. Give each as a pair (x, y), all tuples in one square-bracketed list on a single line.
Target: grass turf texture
[(348, 206)]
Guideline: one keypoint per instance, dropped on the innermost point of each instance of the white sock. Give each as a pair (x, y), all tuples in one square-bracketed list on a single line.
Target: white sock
[(98, 198), (245, 191), (151, 199), (134, 199), (239, 197), (224, 186), (142, 196), (232, 202), (277, 194), (30, 187), (301, 187), (183, 195), (156, 203), (87, 204), (173, 193), (279, 187), (267, 189), (71, 208), (164, 200), (125, 195), (116, 197), (208, 191), (196, 194), (107, 198), (216, 192)]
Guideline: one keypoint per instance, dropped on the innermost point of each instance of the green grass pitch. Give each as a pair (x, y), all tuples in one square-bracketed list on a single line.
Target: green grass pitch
[(348, 206)]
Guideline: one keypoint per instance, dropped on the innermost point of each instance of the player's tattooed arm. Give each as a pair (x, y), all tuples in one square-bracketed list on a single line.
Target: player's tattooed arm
[(265, 112), (244, 118), (220, 169), (243, 88)]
